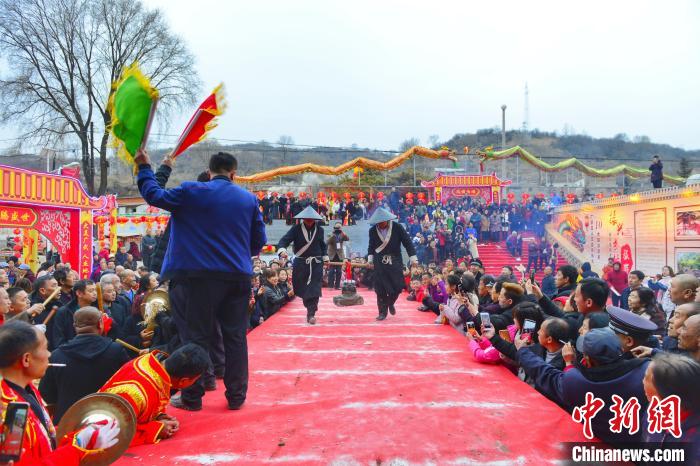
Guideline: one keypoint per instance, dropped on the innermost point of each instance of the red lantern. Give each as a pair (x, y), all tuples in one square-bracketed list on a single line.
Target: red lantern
[(599, 196), (275, 194), (290, 194), (525, 196), (16, 231), (122, 220), (334, 195), (18, 239), (409, 195), (346, 196), (17, 247), (511, 196), (421, 196), (614, 195), (260, 194), (361, 195), (380, 195), (409, 201), (570, 195), (539, 195)]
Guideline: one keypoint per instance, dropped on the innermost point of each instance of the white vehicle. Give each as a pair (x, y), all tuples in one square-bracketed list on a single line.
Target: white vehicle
[(693, 179)]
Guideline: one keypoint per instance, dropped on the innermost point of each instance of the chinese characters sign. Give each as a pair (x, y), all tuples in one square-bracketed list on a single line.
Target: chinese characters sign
[(85, 244), (663, 415), (20, 217)]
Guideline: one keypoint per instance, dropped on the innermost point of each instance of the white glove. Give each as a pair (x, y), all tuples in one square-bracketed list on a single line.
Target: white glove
[(106, 436), (41, 327)]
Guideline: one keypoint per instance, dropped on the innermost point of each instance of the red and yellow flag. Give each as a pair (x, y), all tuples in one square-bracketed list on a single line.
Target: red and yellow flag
[(203, 121)]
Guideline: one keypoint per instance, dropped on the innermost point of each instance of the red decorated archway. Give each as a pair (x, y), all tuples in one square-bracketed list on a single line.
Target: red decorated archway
[(56, 206), (445, 187)]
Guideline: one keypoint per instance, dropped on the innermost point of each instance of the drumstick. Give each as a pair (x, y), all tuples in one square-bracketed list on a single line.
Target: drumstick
[(53, 295), (353, 264), (127, 345), (100, 300), (51, 314)]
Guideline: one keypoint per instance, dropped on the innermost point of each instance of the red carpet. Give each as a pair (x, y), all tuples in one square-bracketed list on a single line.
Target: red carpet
[(353, 391), (495, 255)]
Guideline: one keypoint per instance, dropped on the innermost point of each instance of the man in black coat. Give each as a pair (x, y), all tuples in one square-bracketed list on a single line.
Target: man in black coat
[(85, 295), (90, 359), (310, 255), (384, 255)]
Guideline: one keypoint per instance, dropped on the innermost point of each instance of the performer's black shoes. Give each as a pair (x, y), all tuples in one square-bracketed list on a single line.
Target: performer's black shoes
[(311, 320), (235, 406), (392, 309), (176, 402), (381, 317)]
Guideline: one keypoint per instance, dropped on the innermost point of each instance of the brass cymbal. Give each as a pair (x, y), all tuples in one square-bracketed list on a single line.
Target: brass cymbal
[(94, 408)]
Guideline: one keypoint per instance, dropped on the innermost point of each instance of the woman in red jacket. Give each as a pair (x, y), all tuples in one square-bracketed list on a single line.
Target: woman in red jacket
[(617, 279)]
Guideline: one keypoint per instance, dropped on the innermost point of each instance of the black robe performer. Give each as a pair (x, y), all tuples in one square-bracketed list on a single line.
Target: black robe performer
[(384, 252), (310, 255)]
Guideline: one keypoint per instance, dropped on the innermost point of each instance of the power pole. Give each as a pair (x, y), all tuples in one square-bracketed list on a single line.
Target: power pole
[(503, 139)]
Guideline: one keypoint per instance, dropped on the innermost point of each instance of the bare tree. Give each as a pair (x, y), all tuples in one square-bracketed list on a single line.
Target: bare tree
[(285, 140), (63, 57), (408, 143), (433, 141)]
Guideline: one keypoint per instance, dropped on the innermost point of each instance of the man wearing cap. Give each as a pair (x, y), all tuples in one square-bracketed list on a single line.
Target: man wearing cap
[(604, 372), (632, 329), (384, 255), (309, 257), (476, 268)]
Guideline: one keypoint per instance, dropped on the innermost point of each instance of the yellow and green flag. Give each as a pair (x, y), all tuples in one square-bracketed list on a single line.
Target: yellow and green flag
[(132, 107)]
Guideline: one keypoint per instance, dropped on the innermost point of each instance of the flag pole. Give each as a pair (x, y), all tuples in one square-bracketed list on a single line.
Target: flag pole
[(185, 133), (151, 116)]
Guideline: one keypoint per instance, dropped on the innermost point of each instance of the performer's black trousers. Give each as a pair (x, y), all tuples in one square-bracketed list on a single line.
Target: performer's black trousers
[(197, 304), (385, 299), (311, 305)]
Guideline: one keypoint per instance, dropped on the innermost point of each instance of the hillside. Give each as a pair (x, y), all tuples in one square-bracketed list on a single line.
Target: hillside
[(253, 158)]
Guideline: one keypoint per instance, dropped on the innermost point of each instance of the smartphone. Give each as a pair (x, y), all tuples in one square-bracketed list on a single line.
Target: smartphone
[(504, 335), (13, 431), (528, 330), (485, 319), (532, 277), (471, 329), (528, 326)]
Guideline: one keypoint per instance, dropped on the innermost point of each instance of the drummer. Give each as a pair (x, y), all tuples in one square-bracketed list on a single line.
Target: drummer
[(310, 255)]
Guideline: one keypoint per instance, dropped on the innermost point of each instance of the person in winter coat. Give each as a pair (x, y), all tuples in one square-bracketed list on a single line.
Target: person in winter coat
[(668, 375), (617, 279), (436, 294), (642, 301), (273, 297), (657, 172), (90, 359), (461, 291)]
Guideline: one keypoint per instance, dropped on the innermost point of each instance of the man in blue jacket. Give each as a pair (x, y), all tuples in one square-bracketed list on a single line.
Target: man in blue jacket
[(216, 228), (604, 373)]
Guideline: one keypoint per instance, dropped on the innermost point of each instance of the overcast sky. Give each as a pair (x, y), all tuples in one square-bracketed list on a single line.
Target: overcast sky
[(375, 73)]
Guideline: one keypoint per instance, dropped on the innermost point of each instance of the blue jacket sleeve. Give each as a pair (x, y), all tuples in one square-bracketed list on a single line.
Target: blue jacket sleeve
[(657, 286), (548, 379), (258, 237), (168, 199)]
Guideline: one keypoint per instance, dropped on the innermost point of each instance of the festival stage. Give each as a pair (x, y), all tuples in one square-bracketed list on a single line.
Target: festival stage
[(352, 391)]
